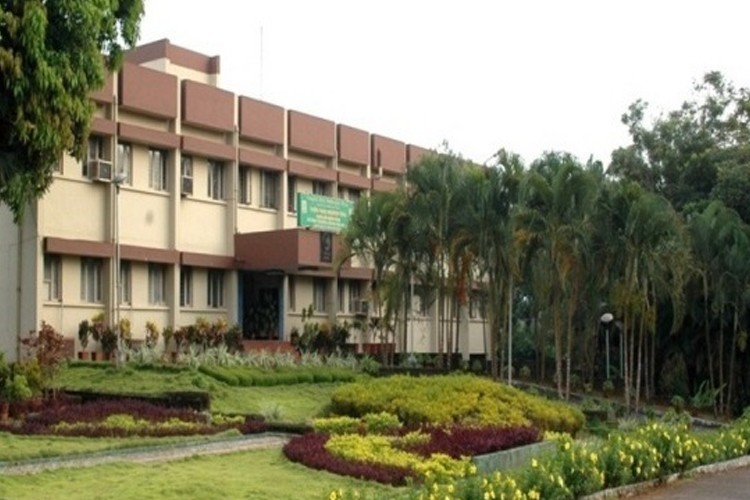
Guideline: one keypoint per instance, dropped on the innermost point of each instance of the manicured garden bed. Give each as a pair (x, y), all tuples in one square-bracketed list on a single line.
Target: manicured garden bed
[(405, 455), (124, 418), (454, 399)]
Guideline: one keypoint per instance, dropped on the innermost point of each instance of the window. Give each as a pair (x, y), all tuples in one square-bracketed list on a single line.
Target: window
[(186, 166), (91, 280), (215, 180), (157, 169), (52, 278), (355, 295), (186, 175), (244, 180), (320, 188), (291, 194), (125, 295), (268, 189), (156, 285), (320, 289), (292, 293), (186, 286), (215, 288), (354, 195), (125, 163), (94, 151)]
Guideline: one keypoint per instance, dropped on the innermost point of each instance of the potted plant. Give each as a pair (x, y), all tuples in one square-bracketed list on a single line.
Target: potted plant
[(97, 328), (84, 330), (108, 341)]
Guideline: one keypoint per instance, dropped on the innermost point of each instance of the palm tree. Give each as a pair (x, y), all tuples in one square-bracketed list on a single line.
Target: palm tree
[(370, 236), (557, 196)]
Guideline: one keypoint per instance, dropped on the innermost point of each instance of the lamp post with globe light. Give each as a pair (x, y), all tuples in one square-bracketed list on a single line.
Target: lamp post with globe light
[(606, 320)]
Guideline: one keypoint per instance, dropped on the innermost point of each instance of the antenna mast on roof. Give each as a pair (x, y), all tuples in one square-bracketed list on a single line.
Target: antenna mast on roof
[(261, 61)]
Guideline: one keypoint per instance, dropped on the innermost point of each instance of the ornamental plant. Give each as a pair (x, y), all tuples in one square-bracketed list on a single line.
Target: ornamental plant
[(454, 399)]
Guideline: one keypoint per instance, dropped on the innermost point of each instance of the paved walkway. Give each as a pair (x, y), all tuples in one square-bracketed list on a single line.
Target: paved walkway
[(727, 485)]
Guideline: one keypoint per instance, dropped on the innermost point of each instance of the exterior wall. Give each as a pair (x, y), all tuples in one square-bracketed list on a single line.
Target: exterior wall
[(167, 97), (19, 289)]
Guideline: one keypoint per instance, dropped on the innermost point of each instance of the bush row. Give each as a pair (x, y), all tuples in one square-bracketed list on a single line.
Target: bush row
[(454, 399), (575, 469), (246, 377)]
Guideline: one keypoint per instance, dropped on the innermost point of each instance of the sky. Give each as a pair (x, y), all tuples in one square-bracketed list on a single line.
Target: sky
[(529, 76)]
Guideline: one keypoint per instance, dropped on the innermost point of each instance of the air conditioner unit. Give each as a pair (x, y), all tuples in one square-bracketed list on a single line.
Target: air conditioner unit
[(361, 307), (100, 170), (187, 186)]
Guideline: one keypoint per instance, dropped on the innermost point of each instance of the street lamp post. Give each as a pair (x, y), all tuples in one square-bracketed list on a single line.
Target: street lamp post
[(606, 320)]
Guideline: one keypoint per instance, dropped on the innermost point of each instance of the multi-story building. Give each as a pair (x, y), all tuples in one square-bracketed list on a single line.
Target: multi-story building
[(193, 191)]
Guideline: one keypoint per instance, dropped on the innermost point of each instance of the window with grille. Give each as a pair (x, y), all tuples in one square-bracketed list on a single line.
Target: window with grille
[(320, 188), (215, 180), (52, 278), (186, 286), (125, 281), (269, 185), (157, 169), (291, 194), (94, 151), (320, 288), (157, 284), (215, 288), (91, 280), (245, 187), (124, 167)]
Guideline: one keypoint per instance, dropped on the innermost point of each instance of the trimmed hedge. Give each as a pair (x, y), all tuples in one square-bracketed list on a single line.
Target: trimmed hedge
[(454, 399), (247, 376)]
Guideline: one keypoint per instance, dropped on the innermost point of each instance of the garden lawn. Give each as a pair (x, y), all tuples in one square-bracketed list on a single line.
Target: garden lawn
[(290, 403), (15, 448), (257, 475)]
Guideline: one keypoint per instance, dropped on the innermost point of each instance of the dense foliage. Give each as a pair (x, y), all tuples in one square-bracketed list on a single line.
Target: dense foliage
[(658, 241), (456, 399), (50, 61)]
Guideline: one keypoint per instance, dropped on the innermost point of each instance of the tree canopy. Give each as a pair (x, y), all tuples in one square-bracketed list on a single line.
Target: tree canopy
[(53, 54)]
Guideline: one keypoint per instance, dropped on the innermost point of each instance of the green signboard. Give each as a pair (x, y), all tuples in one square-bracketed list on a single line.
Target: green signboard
[(323, 213)]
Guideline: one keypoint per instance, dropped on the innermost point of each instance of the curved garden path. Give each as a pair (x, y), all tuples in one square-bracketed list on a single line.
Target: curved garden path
[(727, 485), (144, 455)]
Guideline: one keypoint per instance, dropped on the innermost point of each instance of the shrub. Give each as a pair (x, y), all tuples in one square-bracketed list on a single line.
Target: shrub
[(446, 400), (48, 348)]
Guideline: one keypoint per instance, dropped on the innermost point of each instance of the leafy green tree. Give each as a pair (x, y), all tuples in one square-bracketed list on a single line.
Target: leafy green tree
[(53, 54), (556, 200), (693, 153)]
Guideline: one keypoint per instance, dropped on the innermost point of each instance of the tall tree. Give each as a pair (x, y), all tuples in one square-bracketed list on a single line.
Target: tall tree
[(53, 54), (557, 196)]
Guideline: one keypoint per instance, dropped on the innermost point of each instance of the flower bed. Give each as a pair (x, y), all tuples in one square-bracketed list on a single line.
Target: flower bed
[(414, 454), (575, 469), (125, 418)]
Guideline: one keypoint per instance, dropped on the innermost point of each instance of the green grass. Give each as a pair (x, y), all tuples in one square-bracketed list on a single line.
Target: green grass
[(14, 448), (258, 475), (296, 403)]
